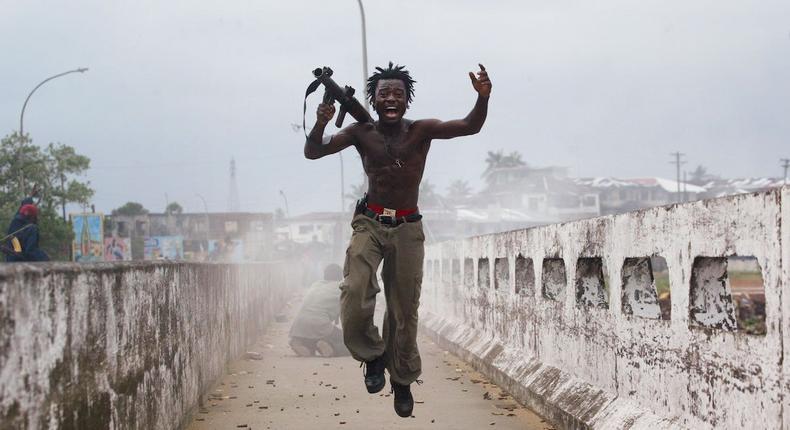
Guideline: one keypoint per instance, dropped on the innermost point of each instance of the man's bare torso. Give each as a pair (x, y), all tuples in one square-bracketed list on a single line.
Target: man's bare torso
[(393, 162), (394, 149)]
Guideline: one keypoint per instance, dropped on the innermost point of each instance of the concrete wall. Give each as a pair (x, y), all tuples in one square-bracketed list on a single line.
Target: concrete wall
[(123, 345), (587, 355)]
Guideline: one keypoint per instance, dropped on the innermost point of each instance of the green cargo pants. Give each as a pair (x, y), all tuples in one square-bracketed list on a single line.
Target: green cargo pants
[(402, 250)]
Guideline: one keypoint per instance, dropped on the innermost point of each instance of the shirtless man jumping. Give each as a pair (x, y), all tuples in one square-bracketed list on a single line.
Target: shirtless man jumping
[(387, 226)]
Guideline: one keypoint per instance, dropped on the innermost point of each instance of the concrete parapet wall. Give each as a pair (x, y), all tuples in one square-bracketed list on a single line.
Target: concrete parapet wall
[(565, 316), (124, 345)]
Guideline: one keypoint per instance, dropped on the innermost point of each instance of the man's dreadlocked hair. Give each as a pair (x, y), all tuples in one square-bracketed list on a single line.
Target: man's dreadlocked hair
[(392, 72)]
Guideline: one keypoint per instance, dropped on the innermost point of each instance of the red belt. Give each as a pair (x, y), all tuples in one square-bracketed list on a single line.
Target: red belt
[(398, 212)]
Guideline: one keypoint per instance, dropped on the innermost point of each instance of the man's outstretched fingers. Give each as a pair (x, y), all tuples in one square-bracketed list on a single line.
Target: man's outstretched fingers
[(482, 67), (472, 77)]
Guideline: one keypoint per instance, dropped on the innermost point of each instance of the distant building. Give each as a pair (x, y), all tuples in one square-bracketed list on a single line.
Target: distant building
[(330, 230), (544, 195), (255, 231), (726, 187), (313, 227), (514, 197), (624, 195), (314, 239)]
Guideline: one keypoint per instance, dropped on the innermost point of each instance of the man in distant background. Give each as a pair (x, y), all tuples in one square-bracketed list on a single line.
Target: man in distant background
[(314, 328)]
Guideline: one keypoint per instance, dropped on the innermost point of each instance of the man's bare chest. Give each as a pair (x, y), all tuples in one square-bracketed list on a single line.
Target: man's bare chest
[(379, 150)]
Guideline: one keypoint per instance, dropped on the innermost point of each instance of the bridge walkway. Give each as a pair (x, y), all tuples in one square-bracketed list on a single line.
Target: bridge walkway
[(282, 392)]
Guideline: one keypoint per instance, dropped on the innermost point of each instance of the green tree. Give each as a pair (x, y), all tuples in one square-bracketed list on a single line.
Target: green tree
[(130, 209), (55, 171), (174, 209), (63, 163)]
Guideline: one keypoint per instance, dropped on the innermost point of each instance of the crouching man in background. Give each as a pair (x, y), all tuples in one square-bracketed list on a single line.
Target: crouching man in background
[(21, 242), (314, 328)]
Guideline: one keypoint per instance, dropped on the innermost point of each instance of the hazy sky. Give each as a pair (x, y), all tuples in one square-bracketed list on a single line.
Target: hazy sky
[(608, 88)]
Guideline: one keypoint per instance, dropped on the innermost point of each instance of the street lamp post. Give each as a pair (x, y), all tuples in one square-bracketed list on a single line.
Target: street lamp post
[(22, 118), (285, 199), (287, 214), (208, 226), (364, 70), (364, 53), (342, 187)]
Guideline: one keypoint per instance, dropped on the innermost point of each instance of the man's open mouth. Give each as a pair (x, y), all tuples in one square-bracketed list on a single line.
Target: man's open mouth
[(391, 111)]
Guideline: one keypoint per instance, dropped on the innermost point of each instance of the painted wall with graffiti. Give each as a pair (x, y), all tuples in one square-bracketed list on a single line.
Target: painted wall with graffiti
[(117, 249), (88, 244), (164, 248)]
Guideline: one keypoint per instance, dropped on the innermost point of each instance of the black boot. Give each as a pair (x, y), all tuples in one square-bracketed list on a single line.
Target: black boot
[(404, 402), (374, 374)]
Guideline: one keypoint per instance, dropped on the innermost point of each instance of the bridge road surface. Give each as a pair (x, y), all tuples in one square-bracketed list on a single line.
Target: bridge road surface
[(285, 392)]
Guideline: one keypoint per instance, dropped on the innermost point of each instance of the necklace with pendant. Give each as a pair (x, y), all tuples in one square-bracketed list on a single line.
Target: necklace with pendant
[(388, 149)]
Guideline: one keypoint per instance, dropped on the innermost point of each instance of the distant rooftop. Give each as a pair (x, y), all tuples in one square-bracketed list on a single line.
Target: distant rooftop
[(667, 185), (319, 216)]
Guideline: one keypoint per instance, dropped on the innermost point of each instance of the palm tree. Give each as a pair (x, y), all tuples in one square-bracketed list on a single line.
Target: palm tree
[(428, 195), (174, 209), (700, 176), (356, 191), (498, 160), (513, 160), (458, 190), (494, 160)]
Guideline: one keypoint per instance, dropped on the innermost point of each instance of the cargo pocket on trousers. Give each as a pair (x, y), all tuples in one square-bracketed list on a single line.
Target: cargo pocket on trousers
[(412, 361), (420, 232)]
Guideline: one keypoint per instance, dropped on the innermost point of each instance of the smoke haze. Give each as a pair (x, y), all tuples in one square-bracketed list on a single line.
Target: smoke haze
[(175, 89)]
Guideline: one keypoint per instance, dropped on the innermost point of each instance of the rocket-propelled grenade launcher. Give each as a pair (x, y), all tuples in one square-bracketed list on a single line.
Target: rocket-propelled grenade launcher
[(333, 92)]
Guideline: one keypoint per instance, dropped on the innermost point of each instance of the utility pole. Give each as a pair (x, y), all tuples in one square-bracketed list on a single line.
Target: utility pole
[(234, 205), (208, 226), (677, 162), (786, 165), (342, 187)]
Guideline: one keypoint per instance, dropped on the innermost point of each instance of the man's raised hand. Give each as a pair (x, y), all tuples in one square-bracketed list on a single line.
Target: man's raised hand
[(325, 113), (481, 83)]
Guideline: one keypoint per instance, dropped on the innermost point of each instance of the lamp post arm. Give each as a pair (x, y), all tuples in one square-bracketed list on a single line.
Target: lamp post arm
[(22, 115)]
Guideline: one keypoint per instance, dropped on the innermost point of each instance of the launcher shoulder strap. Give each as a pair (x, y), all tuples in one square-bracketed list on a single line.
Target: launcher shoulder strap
[(310, 90)]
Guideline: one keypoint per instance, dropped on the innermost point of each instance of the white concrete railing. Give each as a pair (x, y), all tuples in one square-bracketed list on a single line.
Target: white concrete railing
[(565, 316), (125, 345)]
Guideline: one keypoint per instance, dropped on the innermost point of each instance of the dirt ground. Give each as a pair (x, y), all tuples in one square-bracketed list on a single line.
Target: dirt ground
[(282, 391)]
